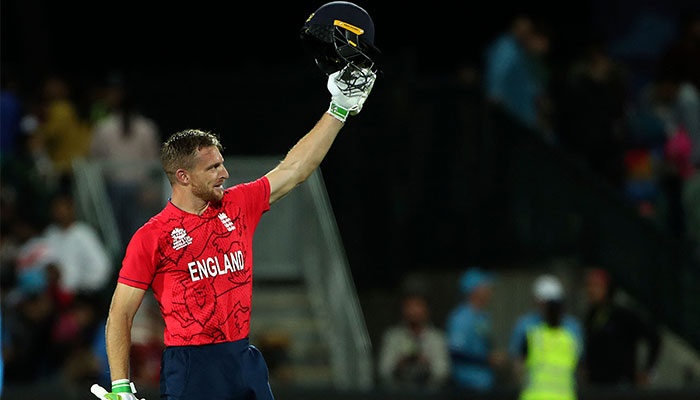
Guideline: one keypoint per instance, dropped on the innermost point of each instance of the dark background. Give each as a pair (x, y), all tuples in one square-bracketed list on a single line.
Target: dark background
[(41, 34), (238, 69)]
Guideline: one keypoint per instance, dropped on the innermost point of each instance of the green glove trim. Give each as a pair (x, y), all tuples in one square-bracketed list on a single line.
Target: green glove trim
[(338, 111), (122, 387), (113, 396)]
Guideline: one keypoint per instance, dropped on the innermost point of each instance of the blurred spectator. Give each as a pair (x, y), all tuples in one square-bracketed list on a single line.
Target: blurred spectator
[(28, 176), (27, 305), (83, 264), (414, 353), (25, 256), (469, 334), (675, 103), (31, 262), (10, 114), (48, 324), (613, 334), (636, 33), (550, 350), (641, 179), (10, 241), (72, 335), (515, 73), (546, 289), (65, 136), (591, 113), (126, 141), (105, 97), (27, 338)]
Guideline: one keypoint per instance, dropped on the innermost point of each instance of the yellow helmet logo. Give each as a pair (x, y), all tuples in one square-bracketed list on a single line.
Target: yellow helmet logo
[(351, 28)]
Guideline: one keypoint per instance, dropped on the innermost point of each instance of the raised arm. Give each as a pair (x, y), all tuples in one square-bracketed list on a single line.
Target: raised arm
[(125, 302), (308, 153), (303, 158)]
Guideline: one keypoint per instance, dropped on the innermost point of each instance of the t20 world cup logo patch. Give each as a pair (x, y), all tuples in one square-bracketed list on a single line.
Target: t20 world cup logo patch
[(180, 238)]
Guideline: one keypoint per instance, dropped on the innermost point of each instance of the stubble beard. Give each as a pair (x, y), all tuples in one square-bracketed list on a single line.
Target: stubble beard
[(206, 193)]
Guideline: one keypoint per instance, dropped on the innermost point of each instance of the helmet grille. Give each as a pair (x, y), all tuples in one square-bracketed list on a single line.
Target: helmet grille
[(334, 48)]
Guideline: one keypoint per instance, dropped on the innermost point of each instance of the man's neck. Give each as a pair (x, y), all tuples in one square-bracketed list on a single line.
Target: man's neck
[(188, 202), (416, 328), (476, 305), (65, 225)]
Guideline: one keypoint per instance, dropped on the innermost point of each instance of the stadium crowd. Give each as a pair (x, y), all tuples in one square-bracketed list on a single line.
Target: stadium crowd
[(416, 353), (56, 272), (633, 119)]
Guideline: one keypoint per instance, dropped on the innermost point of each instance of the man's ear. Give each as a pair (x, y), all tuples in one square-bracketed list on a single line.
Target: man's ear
[(182, 176)]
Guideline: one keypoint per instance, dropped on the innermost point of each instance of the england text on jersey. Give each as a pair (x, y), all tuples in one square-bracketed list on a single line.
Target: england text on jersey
[(200, 267), (211, 267)]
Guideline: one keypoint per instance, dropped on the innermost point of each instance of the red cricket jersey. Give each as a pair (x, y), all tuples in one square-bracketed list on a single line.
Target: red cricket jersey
[(200, 266)]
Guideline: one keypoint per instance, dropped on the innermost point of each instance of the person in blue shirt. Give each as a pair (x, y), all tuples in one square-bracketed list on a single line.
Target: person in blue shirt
[(515, 75), (547, 288), (469, 334)]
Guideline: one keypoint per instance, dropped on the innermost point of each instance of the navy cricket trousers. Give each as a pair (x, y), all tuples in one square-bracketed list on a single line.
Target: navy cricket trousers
[(220, 371)]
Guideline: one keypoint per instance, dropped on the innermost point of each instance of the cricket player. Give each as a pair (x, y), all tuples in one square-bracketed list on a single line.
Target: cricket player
[(196, 254)]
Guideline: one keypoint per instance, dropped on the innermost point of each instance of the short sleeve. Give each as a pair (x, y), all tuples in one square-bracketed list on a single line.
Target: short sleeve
[(254, 196), (499, 62), (458, 330), (517, 337), (139, 265)]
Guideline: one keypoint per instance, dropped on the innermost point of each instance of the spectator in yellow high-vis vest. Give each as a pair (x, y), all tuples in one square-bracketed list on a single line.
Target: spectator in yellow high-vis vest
[(551, 354)]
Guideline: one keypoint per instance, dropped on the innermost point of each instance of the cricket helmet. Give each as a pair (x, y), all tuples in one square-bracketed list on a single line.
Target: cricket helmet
[(340, 35)]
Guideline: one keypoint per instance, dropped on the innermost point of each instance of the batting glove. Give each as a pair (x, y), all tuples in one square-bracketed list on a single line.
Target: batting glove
[(349, 94), (122, 389)]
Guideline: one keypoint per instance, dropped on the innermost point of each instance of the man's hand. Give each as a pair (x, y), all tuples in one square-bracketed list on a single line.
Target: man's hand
[(349, 90), (120, 391)]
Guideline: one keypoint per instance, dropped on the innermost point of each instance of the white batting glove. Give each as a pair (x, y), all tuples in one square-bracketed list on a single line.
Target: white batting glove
[(122, 389), (347, 99)]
